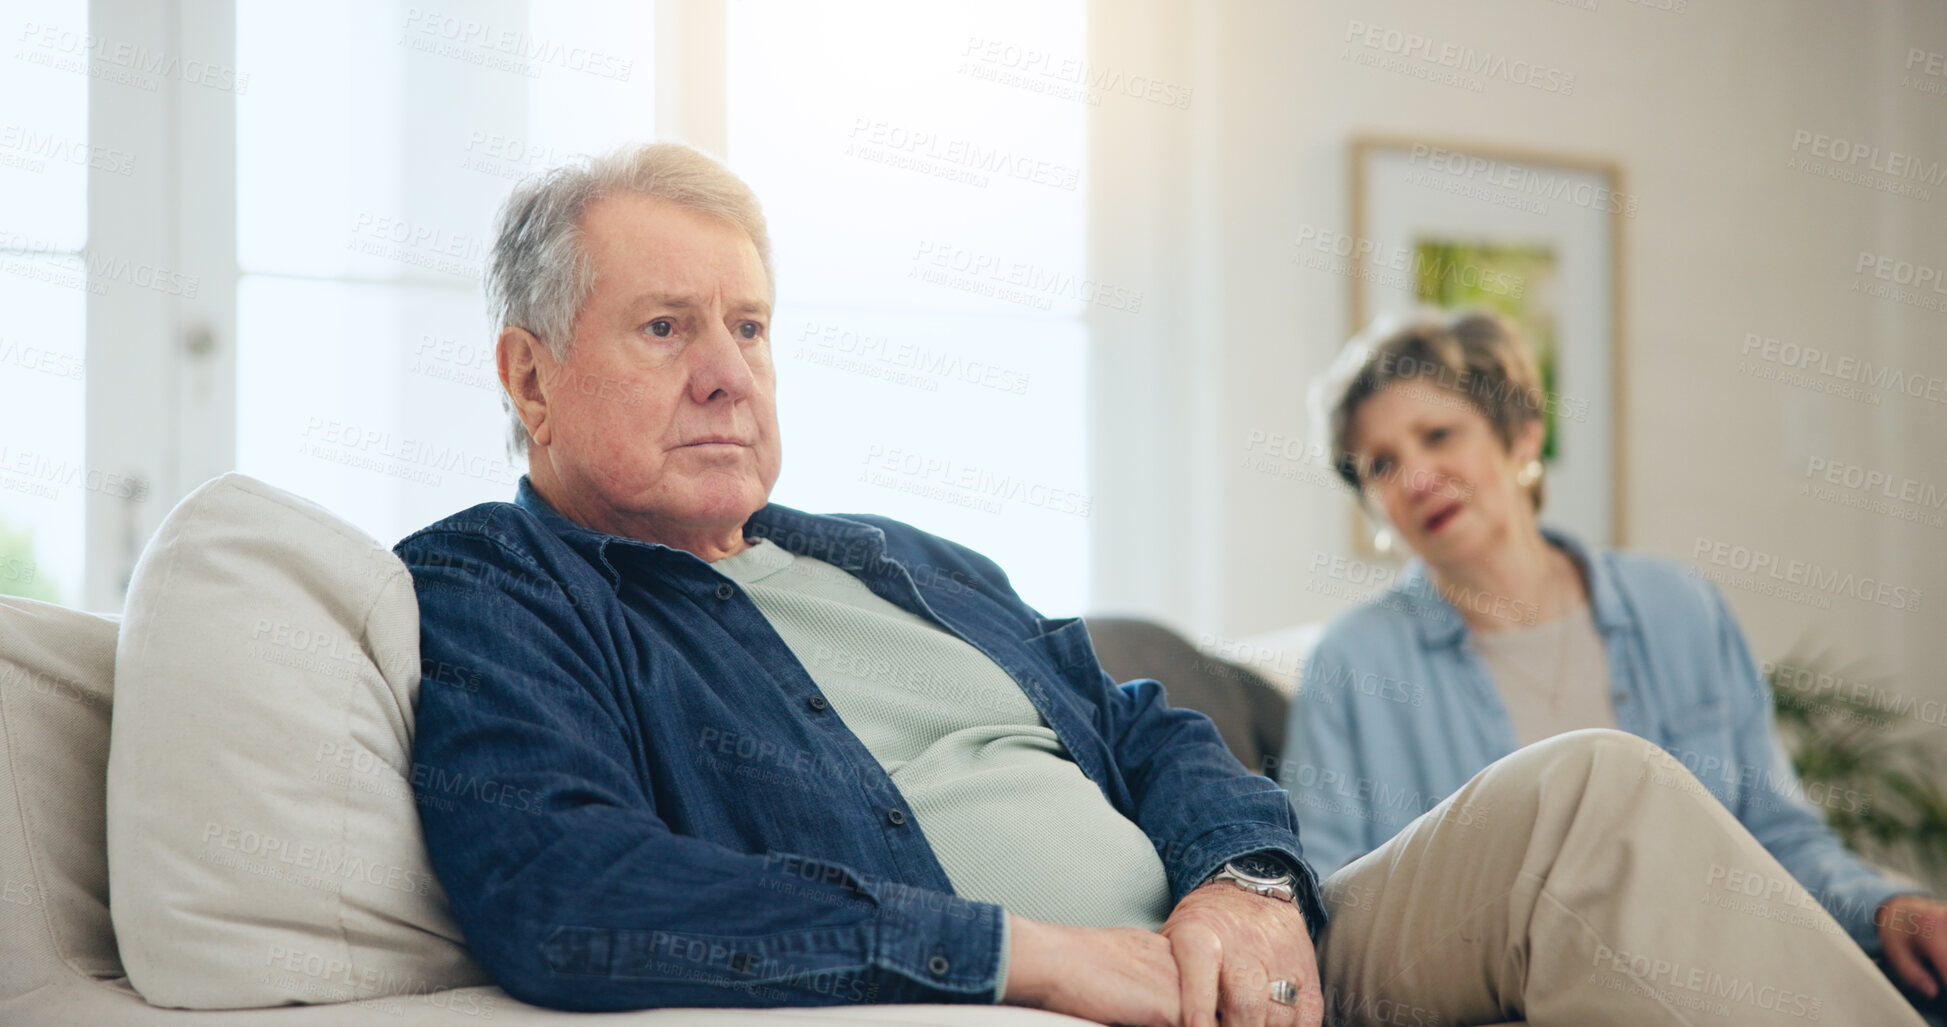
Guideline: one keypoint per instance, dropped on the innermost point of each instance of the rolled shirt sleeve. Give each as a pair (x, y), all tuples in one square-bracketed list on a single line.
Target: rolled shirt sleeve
[(1195, 800), (1772, 803)]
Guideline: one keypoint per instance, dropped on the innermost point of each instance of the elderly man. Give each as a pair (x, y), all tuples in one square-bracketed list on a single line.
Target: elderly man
[(772, 758)]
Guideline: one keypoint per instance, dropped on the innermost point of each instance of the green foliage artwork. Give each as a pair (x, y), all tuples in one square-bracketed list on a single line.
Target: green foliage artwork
[(1518, 281)]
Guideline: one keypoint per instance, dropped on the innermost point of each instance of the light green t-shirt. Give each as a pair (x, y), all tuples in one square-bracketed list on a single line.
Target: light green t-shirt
[(1011, 818)]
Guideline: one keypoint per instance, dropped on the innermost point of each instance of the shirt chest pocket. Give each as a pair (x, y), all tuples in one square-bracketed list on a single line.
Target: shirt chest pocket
[(1062, 647), (1699, 736), (1065, 642)]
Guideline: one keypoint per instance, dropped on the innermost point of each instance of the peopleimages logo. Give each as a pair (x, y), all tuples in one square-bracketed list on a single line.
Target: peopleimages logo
[(923, 150), (30, 144), (1886, 162), (506, 49), (1064, 77), (1868, 479), (1575, 190), (1769, 569), (909, 356), (990, 274), (1343, 254), (1460, 59), (970, 485), (1843, 370)]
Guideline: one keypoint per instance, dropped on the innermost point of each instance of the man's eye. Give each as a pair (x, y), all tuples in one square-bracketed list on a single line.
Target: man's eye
[(750, 329), (1437, 434), (661, 328), (1378, 469)]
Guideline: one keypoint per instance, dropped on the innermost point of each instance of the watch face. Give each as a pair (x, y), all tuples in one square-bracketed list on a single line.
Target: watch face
[(1261, 867)]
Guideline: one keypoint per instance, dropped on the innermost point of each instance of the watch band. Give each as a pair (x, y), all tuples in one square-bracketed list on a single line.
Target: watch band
[(1267, 874)]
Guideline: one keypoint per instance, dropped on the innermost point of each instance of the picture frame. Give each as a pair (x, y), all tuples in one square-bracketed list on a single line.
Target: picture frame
[(1538, 235)]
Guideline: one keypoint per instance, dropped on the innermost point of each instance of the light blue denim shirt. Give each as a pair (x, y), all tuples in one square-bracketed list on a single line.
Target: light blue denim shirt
[(1397, 712)]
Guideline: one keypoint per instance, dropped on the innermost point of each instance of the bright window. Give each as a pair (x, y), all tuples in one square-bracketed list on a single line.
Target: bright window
[(45, 154), (373, 147), (928, 219), (929, 226)]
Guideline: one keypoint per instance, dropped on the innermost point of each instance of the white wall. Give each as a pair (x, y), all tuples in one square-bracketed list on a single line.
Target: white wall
[(1203, 206)]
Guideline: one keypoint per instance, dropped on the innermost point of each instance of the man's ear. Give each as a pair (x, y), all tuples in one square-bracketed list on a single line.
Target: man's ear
[(526, 367)]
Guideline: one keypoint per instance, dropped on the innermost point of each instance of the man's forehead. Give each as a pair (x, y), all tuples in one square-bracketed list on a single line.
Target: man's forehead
[(634, 214), (658, 251)]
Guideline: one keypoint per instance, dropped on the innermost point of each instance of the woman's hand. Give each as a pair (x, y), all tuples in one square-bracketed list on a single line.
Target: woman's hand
[(1913, 930)]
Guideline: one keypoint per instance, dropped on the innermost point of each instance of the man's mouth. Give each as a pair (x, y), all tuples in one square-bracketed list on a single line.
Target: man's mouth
[(715, 440), (1440, 518)]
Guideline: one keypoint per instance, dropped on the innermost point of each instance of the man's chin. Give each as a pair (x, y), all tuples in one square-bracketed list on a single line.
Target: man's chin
[(725, 498)]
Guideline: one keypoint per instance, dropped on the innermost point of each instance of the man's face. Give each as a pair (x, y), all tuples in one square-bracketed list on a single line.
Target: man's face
[(662, 423)]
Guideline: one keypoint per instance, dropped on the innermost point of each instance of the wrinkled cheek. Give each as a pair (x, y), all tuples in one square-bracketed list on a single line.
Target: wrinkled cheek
[(625, 457), (772, 464)]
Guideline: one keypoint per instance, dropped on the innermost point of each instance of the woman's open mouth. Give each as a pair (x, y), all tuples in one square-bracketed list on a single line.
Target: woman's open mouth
[(1440, 518)]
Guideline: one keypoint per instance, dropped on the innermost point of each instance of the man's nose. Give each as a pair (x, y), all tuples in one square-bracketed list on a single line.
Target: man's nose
[(719, 366)]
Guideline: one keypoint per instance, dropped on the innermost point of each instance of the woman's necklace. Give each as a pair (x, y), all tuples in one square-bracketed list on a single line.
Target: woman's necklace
[(1553, 688)]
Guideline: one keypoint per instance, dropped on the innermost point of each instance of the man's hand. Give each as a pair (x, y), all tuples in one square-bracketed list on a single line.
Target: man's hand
[(1120, 975), (1913, 929), (1230, 944)]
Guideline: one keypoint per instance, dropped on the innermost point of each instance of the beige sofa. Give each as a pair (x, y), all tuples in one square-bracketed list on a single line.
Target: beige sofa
[(60, 962)]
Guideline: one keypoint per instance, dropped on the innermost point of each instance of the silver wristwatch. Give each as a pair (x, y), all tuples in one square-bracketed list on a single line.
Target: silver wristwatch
[(1268, 877)]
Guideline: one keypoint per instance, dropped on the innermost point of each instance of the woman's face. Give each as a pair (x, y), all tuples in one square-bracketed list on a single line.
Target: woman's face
[(1436, 467)]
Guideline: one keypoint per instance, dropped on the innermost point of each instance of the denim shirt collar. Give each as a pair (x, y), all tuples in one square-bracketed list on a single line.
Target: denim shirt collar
[(848, 544), (1441, 624)]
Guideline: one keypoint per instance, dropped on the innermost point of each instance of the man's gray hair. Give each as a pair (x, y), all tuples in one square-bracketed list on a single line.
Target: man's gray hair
[(539, 275)]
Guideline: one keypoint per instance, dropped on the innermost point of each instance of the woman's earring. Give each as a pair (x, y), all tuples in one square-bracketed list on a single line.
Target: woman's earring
[(1529, 474)]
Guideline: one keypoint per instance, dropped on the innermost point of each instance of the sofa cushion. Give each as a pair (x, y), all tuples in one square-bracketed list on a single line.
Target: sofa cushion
[(57, 668), (1248, 711), (263, 845)]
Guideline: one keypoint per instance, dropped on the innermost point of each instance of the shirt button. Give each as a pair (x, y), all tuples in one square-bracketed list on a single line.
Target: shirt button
[(725, 591), (896, 816), (939, 966), (818, 703)]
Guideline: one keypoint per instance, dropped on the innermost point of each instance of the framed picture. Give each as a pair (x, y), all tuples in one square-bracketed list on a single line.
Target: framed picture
[(1538, 237)]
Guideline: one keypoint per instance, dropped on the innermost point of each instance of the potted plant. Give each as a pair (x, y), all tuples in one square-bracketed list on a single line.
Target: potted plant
[(1849, 728)]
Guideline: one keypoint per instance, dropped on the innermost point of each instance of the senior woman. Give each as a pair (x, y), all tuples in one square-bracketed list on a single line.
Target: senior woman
[(1504, 632)]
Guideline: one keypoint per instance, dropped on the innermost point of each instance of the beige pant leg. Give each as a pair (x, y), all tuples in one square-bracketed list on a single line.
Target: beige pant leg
[(1588, 879)]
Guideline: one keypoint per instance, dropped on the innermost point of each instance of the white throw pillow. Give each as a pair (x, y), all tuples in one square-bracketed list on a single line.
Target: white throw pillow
[(263, 845)]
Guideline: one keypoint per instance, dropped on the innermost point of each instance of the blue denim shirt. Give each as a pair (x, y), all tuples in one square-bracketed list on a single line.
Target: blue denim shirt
[(635, 796), (1397, 711)]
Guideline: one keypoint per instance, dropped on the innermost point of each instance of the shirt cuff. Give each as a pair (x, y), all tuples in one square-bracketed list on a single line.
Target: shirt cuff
[(1000, 965), (935, 947)]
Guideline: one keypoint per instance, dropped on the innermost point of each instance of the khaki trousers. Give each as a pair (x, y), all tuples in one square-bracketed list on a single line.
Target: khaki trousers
[(1587, 879)]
